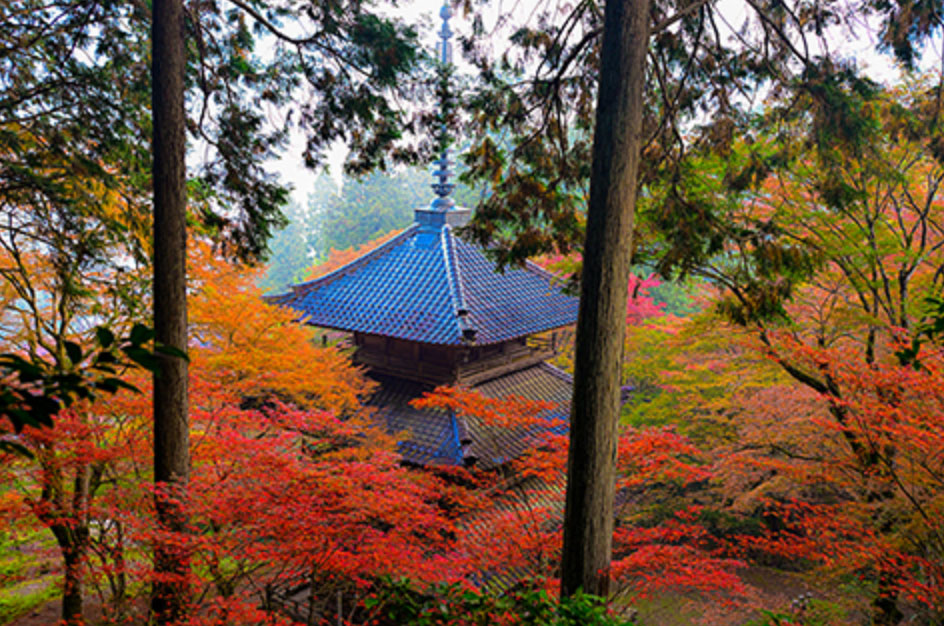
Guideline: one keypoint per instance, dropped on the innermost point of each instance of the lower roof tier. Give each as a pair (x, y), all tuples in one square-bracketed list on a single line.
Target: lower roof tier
[(439, 437)]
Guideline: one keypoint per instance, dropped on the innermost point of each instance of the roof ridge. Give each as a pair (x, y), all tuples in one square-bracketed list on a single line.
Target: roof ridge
[(456, 289), (303, 288), (557, 372), (537, 269)]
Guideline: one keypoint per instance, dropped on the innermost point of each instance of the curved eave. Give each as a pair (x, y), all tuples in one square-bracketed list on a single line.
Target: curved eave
[(456, 343), (303, 288)]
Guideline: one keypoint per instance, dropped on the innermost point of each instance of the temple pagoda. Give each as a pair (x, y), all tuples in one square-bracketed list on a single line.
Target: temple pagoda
[(427, 308)]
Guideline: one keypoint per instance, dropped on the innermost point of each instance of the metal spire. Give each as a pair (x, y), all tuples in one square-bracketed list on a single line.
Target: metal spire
[(442, 186)]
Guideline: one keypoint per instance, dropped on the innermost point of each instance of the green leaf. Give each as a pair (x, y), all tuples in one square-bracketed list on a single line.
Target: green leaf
[(171, 351), (42, 408), (105, 358), (73, 351), (27, 372), (105, 338), (142, 357), (103, 368), (69, 381), (141, 334), (21, 418), (113, 384)]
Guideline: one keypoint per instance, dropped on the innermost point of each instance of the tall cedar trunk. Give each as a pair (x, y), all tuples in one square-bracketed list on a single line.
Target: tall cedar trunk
[(591, 465), (171, 430)]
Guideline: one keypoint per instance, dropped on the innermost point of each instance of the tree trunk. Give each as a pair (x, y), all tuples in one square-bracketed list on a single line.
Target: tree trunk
[(591, 465), (73, 558), (73, 544), (171, 429), (119, 580), (71, 530)]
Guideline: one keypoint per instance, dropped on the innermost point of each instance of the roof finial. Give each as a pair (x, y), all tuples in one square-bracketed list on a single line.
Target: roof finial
[(442, 186)]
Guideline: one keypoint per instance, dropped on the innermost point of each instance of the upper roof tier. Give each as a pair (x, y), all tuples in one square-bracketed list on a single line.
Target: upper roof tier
[(428, 285)]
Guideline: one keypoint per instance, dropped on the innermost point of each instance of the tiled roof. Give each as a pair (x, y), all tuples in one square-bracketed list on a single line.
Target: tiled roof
[(429, 285), (434, 437)]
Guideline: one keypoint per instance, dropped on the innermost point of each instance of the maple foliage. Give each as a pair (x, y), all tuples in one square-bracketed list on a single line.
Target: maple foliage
[(59, 267), (330, 514), (300, 495), (782, 461), (66, 484), (71, 284), (640, 303), (878, 250), (277, 495), (693, 372), (293, 482), (642, 308), (85, 482), (284, 491), (890, 495), (64, 278), (251, 345), (521, 530)]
